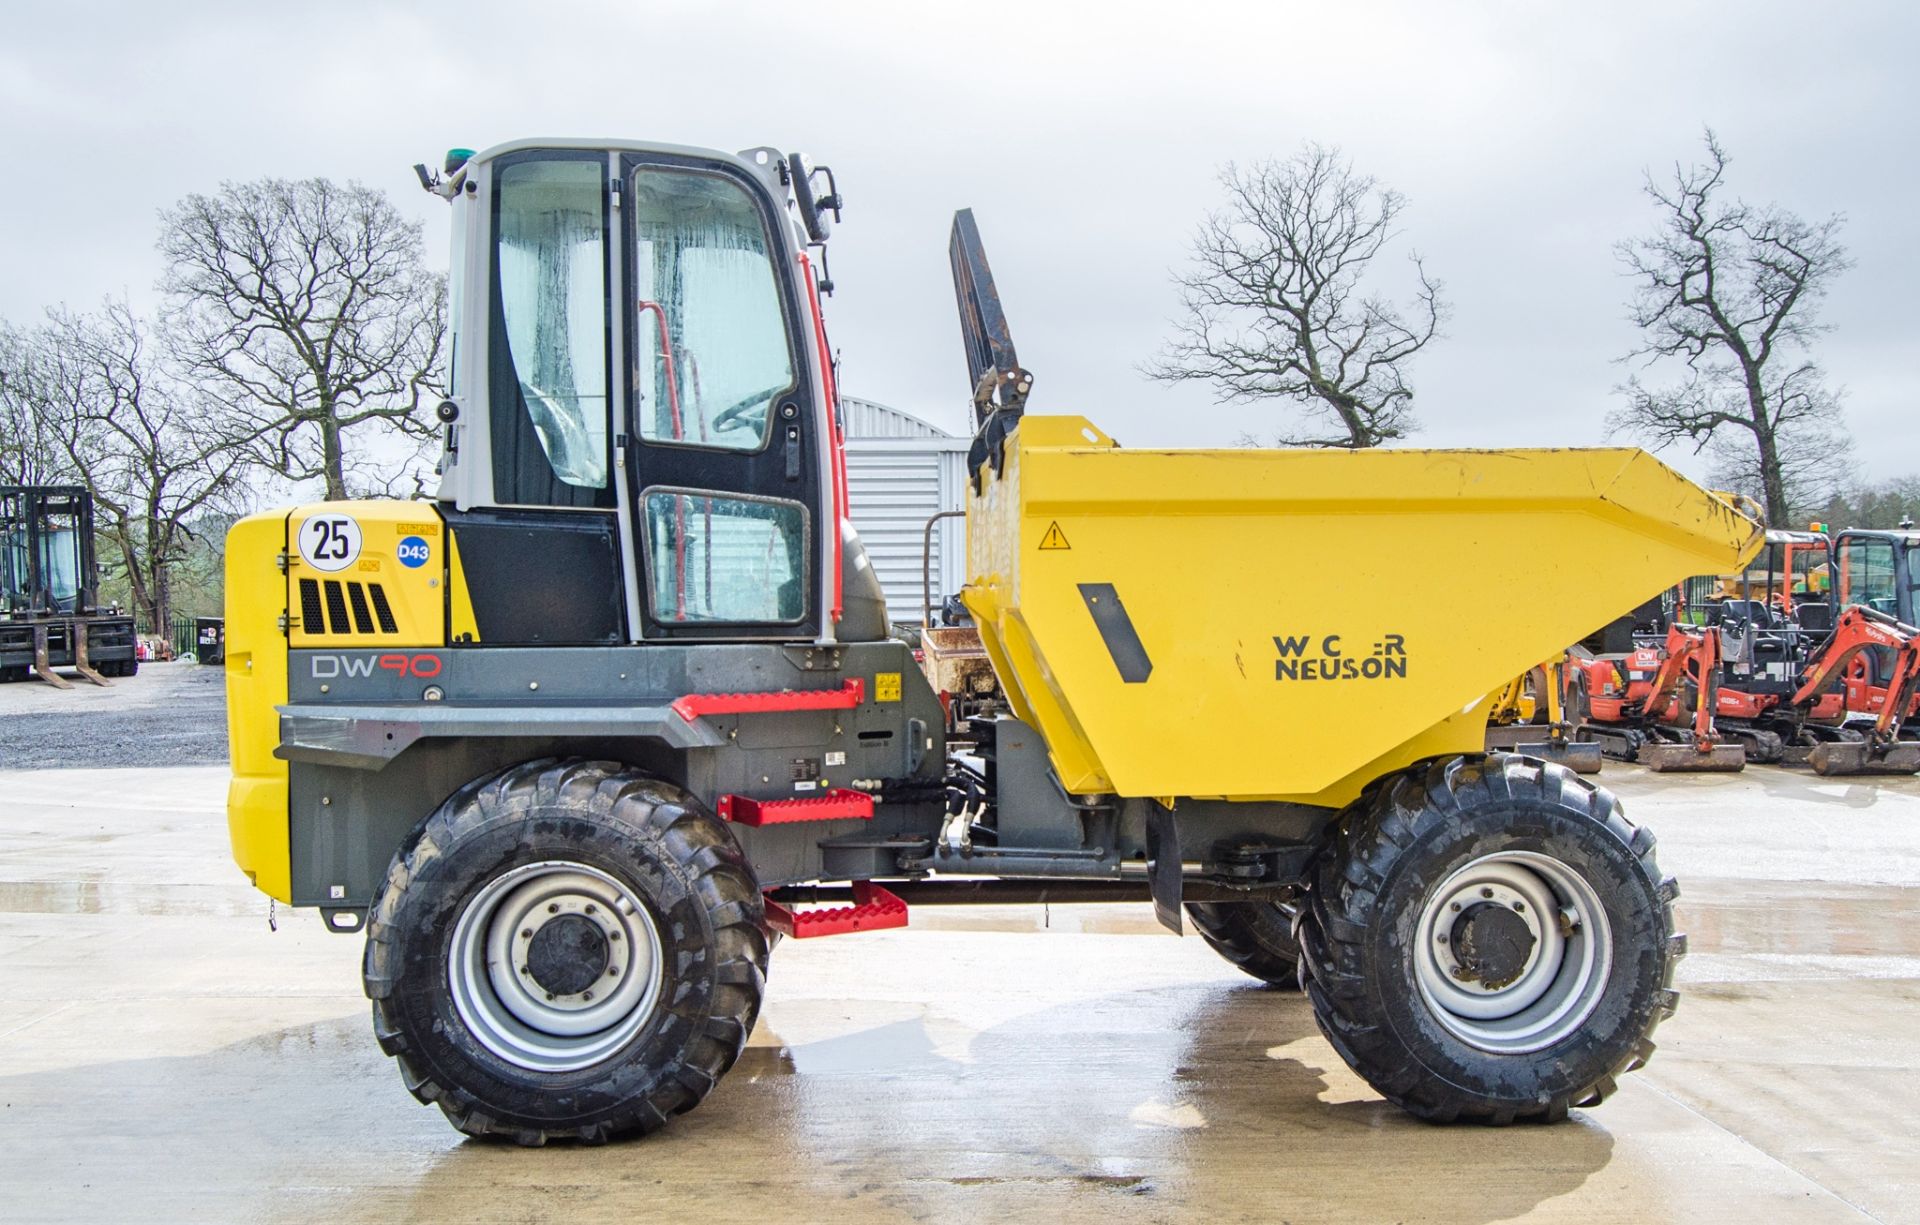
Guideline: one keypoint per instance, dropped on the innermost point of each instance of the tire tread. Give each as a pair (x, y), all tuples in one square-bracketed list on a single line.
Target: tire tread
[(719, 878), (1352, 874)]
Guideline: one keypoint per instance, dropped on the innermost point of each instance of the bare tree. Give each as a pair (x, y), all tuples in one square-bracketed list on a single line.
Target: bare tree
[(305, 305), (153, 452), (1275, 307), (1729, 290), (30, 449)]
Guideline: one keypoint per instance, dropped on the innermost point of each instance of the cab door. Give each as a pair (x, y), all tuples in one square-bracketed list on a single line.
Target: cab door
[(724, 452)]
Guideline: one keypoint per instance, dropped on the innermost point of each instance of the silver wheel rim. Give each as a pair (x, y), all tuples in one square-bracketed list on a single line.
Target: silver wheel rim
[(1565, 971), (514, 1016)]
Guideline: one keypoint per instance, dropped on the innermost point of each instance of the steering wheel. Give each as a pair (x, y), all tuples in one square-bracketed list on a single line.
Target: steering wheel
[(735, 416)]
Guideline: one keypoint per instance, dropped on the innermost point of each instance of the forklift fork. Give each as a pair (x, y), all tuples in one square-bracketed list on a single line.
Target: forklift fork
[(41, 667), (81, 663)]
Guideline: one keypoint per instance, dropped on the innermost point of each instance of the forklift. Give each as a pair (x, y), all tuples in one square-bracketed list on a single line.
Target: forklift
[(50, 614), (575, 743)]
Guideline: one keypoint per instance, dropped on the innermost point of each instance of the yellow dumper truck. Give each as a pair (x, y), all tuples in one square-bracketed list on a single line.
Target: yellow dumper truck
[(577, 742)]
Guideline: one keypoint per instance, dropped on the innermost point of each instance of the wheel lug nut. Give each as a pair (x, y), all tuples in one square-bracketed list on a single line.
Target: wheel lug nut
[(549, 995), (553, 908), (613, 971), (1484, 892), (526, 933), (613, 935), (1442, 937), (586, 995), (1519, 905), (591, 909), (1455, 906), (526, 969)]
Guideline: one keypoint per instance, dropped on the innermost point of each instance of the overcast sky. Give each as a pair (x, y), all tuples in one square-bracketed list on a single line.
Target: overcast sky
[(1086, 137)]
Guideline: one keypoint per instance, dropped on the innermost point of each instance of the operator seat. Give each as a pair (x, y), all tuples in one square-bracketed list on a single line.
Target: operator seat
[(1815, 615), (863, 605)]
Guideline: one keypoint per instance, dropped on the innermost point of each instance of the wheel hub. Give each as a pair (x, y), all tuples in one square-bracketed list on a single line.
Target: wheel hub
[(1512, 951), (1493, 944), (554, 966), (567, 955)]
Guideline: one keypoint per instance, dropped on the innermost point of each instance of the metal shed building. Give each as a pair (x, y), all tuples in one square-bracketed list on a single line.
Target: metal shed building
[(900, 471)]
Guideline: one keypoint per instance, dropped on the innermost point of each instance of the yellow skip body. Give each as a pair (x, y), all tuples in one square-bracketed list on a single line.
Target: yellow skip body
[(1302, 622)]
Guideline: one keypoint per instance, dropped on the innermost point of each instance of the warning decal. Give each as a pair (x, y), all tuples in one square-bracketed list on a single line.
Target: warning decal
[(1055, 538)]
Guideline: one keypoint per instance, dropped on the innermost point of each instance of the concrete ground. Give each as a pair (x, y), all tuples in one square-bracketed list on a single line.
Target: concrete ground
[(166, 1056)]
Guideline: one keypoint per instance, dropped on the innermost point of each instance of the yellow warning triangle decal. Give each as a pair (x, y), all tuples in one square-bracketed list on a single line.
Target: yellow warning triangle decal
[(1055, 538)]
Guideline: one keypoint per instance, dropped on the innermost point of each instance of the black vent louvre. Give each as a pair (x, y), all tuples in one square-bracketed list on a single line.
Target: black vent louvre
[(336, 608), (310, 618), (381, 610), (362, 619)]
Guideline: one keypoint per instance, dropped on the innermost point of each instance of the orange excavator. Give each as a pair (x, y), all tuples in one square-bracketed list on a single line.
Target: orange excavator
[(1795, 680), (1656, 704), (1861, 633)]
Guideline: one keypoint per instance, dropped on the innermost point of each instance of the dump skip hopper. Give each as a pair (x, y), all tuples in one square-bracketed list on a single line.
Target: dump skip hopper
[(1294, 624)]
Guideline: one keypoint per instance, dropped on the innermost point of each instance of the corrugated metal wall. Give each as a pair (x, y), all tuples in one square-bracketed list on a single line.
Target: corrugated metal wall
[(900, 471)]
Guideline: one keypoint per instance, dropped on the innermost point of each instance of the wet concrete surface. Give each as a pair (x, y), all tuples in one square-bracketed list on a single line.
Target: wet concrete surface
[(169, 714), (165, 1056)]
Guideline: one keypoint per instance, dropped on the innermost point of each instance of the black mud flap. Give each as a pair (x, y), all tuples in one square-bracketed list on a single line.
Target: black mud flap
[(1163, 867)]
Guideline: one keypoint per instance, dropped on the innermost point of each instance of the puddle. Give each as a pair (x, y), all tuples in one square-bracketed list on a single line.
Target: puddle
[(1812, 919), (105, 897)]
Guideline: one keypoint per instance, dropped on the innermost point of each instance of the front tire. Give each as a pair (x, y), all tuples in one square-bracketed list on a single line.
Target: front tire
[(566, 950), (1489, 939)]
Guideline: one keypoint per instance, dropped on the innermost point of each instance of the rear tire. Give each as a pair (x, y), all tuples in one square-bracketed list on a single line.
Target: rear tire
[(1255, 936), (569, 949), (1433, 970)]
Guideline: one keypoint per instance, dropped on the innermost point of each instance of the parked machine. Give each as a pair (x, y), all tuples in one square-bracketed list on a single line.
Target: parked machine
[(1529, 715), (575, 742), (1871, 661), (1787, 660), (50, 614), (1774, 620), (1812, 672), (1656, 704)]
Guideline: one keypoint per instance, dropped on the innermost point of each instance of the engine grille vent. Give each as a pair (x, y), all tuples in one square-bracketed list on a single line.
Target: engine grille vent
[(330, 606)]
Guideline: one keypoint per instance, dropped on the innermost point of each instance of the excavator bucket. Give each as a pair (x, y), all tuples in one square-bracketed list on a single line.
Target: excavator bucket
[(1580, 756), (1838, 758), (1693, 759), (1294, 624)]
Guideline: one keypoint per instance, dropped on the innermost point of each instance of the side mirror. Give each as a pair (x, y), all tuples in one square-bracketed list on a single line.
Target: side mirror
[(813, 209)]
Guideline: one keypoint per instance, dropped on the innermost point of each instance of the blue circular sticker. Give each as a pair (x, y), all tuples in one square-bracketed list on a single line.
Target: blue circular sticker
[(413, 552)]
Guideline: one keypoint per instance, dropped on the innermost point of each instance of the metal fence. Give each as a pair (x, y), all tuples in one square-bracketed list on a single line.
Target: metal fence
[(178, 633)]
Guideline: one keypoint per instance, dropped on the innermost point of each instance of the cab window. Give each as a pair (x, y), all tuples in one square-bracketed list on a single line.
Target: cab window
[(721, 559), (1867, 575), (711, 356), (548, 349)]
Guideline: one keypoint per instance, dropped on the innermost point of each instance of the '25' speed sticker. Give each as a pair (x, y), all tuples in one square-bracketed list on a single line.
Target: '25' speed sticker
[(329, 542)]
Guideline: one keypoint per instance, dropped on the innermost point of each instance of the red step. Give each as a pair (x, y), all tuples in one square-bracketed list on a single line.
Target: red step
[(835, 805), (849, 695), (873, 909)]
